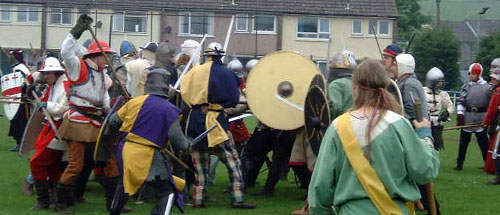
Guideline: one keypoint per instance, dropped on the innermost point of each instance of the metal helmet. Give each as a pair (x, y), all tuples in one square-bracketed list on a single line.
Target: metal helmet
[(495, 64), (87, 43), (495, 73), (126, 48), (214, 49), (434, 75), (18, 54), (251, 64), (235, 65), (345, 59), (51, 64), (157, 82), (164, 52), (476, 69), (406, 64), (150, 46), (94, 48)]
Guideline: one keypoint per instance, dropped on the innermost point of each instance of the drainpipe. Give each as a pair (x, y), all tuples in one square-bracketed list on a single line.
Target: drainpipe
[(43, 41)]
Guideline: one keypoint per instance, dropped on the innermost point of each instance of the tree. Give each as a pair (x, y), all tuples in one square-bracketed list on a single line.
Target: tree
[(410, 18), (437, 48), (489, 49)]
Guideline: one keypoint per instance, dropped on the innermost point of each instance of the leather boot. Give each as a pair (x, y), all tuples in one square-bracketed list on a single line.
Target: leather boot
[(43, 199), (64, 194), (114, 194)]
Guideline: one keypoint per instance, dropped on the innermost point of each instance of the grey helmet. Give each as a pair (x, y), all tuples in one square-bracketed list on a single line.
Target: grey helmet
[(433, 76), (157, 82), (495, 64), (214, 49), (251, 64), (164, 52), (235, 66)]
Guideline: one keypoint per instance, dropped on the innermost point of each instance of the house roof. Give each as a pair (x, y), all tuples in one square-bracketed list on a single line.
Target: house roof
[(465, 30), (357, 8)]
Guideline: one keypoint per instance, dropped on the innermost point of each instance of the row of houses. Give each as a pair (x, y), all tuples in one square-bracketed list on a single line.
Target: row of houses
[(314, 28)]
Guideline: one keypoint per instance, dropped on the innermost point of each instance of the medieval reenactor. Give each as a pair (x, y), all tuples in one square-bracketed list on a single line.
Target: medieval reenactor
[(439, 104), (146, 123), (383, 155), (471, 108), (20, 119), (88, 100), (389, 56), (412, 90), (137, 69), (208, 89), (491, 120), (46, 162)]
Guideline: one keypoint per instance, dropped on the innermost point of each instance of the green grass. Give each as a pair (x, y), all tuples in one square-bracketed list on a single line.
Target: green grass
[(459, 193)]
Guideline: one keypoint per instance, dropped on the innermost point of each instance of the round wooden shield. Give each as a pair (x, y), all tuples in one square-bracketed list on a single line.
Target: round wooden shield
[(277, 88), (316, 117)]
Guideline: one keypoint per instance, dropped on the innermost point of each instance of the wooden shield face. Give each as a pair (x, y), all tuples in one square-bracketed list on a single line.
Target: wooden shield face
[(31, 132), (107, 139), (316, 116), (277, 88)]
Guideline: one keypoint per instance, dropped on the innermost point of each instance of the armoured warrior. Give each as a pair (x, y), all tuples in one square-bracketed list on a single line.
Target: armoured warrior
[(438, 103), (471, 108), (208, 89), (137, 69), (88, 100)]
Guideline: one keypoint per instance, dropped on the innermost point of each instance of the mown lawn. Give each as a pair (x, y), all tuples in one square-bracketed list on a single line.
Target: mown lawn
[(462, 192)]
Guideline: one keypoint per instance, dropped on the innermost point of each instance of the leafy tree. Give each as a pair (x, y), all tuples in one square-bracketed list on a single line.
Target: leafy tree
[(410, 18), (437, 48), (489, 49)]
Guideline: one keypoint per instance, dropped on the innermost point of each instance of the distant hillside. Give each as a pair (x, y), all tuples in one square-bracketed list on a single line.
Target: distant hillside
[(458, 10)]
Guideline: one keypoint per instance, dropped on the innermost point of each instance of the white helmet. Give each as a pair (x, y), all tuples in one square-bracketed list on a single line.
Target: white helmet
[(251, 64), (51, 64), (495, 64), (214, 49), (406, 64)]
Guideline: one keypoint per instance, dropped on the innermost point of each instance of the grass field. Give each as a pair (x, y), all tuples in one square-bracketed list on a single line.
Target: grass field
[(459, 193)]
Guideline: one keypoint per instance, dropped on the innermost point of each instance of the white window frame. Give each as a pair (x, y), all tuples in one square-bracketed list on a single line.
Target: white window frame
[(264, 32), (389, 24), (241, 16), (60, 21), (29, 11), (318, 30), (125, 15), (3, 8), (210, 31), (361, 27)]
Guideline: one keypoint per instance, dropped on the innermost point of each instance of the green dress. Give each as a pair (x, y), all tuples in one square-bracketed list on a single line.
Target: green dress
[(340, 96), (401, 157)]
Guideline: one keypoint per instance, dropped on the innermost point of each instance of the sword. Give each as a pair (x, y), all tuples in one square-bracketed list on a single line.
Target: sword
[(205, 133), (170, 201), (47, 115), (494, 153)]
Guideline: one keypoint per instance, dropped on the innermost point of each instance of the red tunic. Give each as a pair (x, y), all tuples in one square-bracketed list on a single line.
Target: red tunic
[(491, 114)]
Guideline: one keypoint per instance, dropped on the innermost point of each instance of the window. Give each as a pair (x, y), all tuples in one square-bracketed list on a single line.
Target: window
[(191, 23), (264, 24), (61, 16), (132, 23), (357, 27), (381, 26), (242, 22), (5, 14), (27, 14), (311, 27)]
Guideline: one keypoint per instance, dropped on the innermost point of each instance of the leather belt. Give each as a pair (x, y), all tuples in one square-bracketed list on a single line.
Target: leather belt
[(475, 109)]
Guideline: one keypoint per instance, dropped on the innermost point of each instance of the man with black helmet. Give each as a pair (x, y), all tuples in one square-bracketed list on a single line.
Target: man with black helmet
[(208, 89)]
